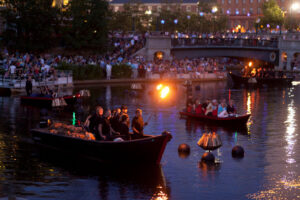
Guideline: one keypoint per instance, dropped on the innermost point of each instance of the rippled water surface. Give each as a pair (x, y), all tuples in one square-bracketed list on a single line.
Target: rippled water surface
[(269, 169)]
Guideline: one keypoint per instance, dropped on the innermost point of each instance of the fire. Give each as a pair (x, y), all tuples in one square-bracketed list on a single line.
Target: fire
[(164, 92), (159, 87)]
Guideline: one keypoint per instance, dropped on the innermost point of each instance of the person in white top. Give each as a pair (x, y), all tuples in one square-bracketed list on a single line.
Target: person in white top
[(108, 71)]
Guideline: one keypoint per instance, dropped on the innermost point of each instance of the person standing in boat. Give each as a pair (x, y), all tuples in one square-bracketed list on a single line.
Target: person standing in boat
[(138, 124), (95, 122), (231, 108), (124, 111), (105, 130), (28, 86)]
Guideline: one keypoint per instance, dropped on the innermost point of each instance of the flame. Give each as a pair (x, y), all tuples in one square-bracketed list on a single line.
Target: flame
[(164, 92), (159, 87)]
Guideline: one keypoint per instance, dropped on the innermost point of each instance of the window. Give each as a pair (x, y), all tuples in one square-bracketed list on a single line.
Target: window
[(188, 8), (244, 1), (251, 1), (258, 11), (159, 8), (258, 1), (237, 12), (244, 11), (229, 1), (282, 0), (236, 1), (222, 10), (116, 8), (251, 10), (223, 1)]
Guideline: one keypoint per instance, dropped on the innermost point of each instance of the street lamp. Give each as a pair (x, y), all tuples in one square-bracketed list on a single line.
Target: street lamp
[(295, 6), (214, 9), (162, 23), (188, 17)]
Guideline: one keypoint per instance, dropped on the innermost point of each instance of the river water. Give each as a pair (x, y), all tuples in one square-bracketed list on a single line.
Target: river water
[(269, 169)]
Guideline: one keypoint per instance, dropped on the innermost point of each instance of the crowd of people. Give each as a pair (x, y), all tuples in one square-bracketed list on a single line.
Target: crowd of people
[(115, 124), (212, 107)]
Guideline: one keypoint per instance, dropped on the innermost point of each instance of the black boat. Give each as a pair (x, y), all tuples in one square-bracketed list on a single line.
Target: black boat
[(224, 121), (46, 101), (258, 81), (148, 149)]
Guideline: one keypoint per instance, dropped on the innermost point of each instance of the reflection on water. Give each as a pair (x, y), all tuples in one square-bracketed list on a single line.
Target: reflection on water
[(269, 169)]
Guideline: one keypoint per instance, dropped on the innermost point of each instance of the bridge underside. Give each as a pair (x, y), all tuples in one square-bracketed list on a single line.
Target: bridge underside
[(268, 55)]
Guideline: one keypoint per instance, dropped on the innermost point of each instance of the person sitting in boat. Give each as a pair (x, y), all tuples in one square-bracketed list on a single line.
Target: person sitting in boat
[(212, 108), (124, 111), (204, 105), (123, 128), (198, 108), (222, 109), (215, 108), (231, 108), (138, 124), (95, 122), (189, 108)]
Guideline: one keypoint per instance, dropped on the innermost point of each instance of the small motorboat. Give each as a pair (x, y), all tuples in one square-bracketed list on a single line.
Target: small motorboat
[(257, 81), (49, 101), (240, 120), (148, 149)]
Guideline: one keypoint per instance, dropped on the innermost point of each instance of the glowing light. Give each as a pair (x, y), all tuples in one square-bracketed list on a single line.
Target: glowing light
[(249, 103), (148, 12), (201, 14), (214, 9), (158, 87), (162, 21), (295, 6), (250, 64), (175, 21), (164, 92), (65, 2)]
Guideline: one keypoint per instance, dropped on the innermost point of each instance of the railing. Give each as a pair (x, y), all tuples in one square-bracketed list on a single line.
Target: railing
[(224, 42), (19, 81)]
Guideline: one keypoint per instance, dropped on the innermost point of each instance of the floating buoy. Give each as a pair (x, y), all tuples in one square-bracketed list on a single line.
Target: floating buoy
[(238, 152), (208, 157), (184, 148)]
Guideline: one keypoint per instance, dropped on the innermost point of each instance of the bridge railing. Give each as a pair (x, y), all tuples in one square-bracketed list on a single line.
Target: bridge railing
[(225, 42)]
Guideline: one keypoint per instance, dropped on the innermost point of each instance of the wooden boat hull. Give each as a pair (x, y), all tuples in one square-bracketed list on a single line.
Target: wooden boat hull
[(47, 101), (239, 80), (230, 121), (146, 150)]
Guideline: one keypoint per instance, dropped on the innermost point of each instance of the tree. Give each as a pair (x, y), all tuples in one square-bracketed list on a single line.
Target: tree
[(291, 22), (272, 15), (30, 24), (88, 25)]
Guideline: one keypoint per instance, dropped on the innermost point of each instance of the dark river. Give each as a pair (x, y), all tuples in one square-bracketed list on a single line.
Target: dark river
[(269, 169)]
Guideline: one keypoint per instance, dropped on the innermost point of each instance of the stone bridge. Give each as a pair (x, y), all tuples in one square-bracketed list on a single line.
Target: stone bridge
[(280, 50)]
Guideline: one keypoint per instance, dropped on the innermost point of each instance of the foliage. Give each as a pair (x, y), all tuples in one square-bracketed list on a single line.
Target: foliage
[(30, 24), (209, 23), (272, 15), (83, 72), (88, 27), (121, 71), (130, 19), (291, 23)]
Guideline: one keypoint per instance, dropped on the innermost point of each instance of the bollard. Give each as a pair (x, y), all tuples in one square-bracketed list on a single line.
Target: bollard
[(238, 152)]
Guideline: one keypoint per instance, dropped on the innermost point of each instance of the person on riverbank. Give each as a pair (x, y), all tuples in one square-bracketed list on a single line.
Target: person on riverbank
[(108, 71), (28, 86), (138, 124)]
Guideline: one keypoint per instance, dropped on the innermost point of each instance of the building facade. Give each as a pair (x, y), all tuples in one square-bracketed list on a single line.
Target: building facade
[(241, 13)]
